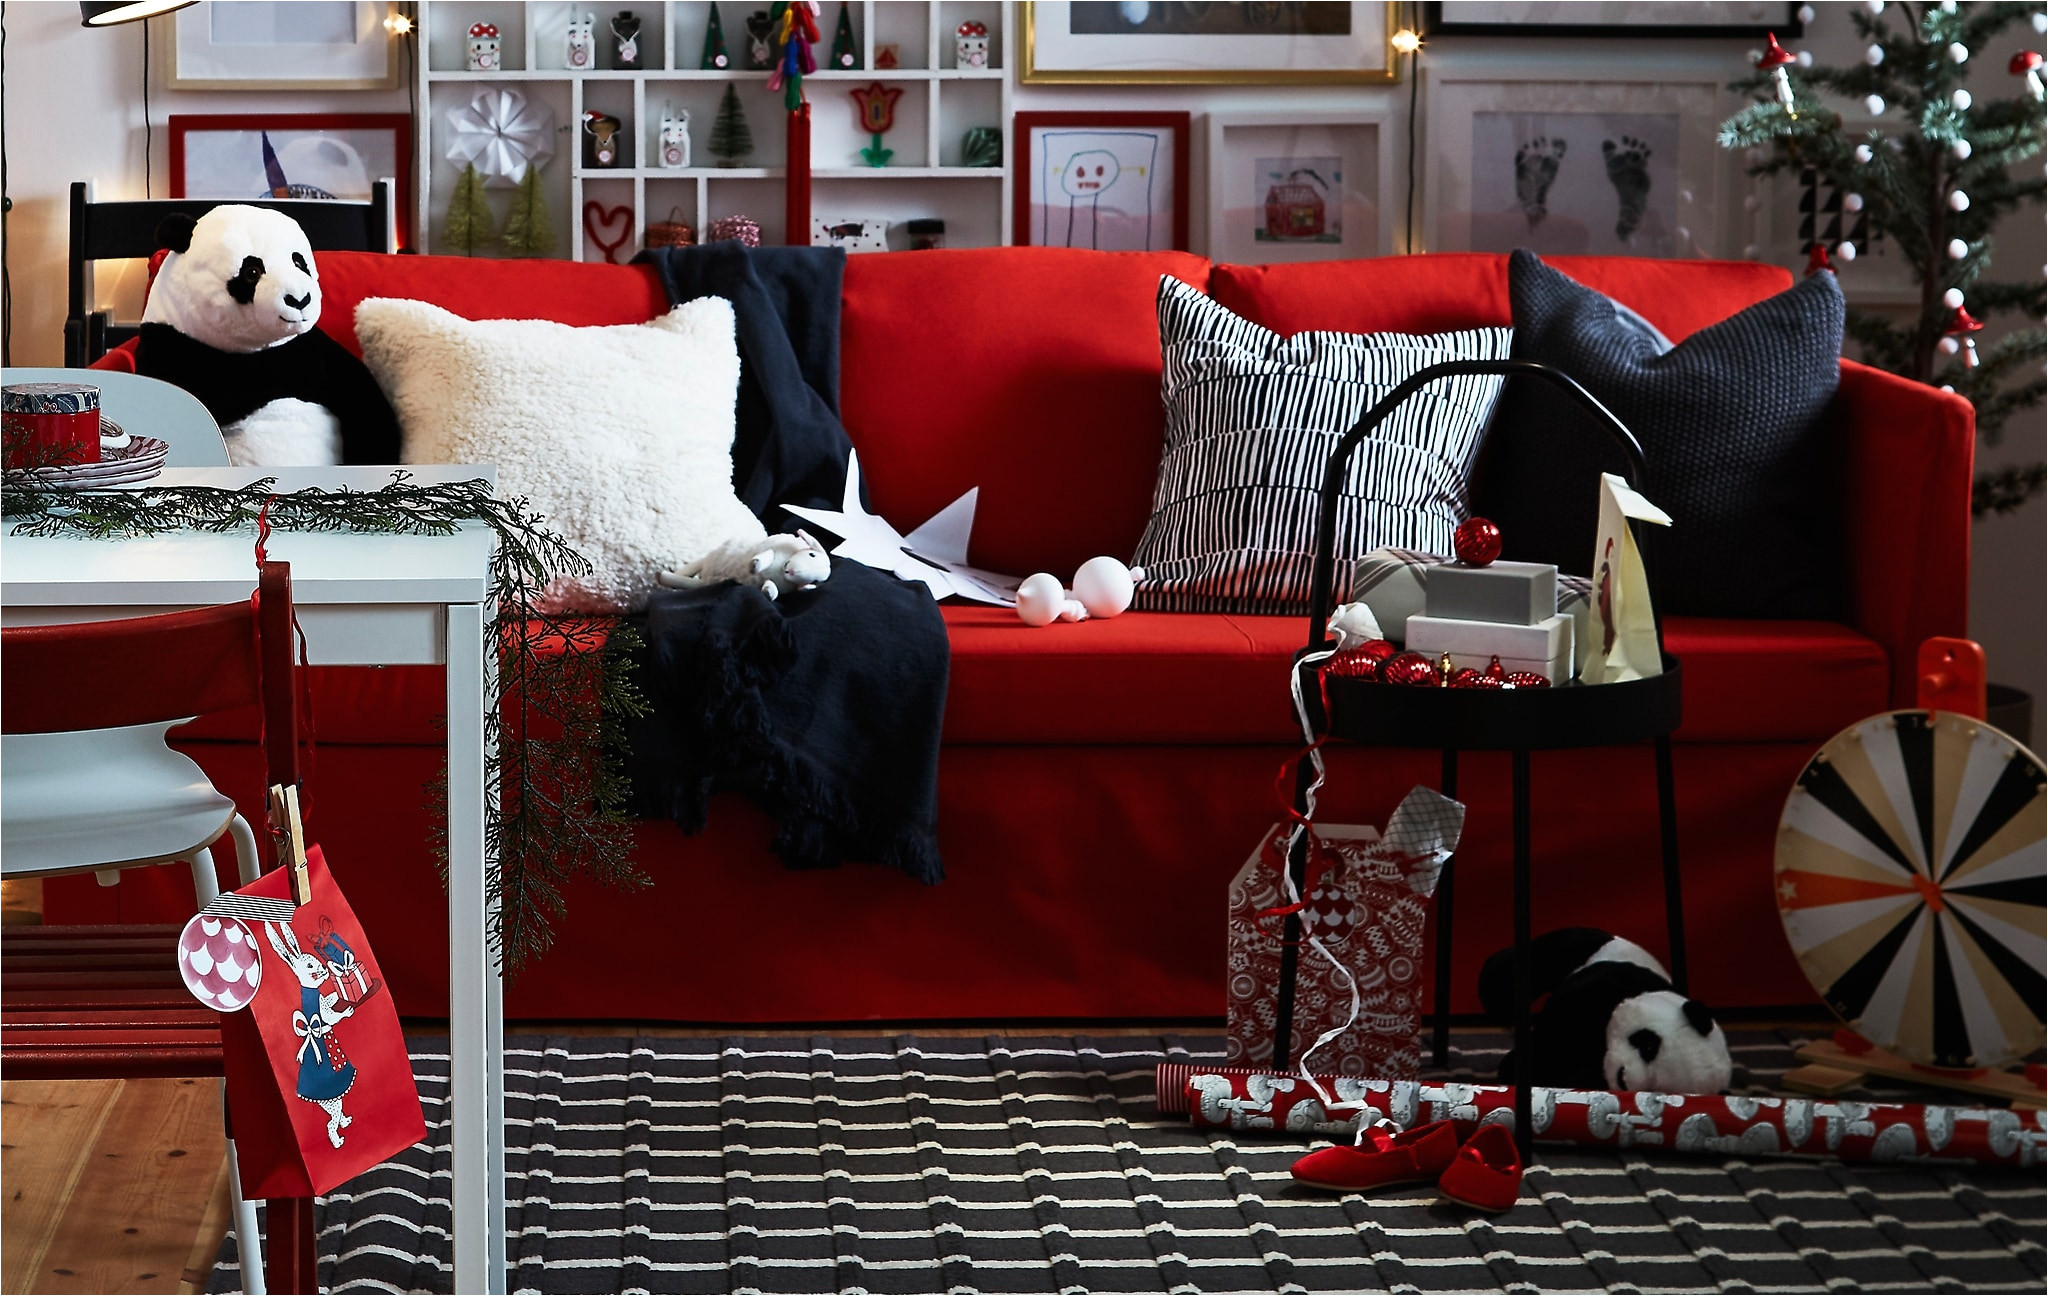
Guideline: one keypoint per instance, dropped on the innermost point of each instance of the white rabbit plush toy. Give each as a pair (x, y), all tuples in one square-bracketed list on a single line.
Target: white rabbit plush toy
[(775, 566), (320, 1080)]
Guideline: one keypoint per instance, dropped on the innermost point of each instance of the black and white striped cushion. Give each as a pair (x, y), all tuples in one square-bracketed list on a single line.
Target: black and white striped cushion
[(1251, 418)]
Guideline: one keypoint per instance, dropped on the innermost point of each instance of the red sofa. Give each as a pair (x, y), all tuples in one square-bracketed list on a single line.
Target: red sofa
[(1101, 782)]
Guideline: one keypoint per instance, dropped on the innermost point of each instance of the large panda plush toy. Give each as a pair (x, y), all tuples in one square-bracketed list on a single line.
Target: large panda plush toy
[(230, 319), (1612, 1019)]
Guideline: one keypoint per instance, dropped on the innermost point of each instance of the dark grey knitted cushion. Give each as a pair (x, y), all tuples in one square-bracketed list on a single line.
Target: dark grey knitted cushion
[(1733, 421)]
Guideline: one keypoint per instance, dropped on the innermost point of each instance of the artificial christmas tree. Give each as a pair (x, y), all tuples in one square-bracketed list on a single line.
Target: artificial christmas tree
[(468, 224), (1936, 176), (730, 138), (715, 59), (528, 229)]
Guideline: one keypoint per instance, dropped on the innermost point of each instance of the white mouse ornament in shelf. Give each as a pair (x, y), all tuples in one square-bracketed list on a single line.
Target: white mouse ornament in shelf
[(1103, 587)]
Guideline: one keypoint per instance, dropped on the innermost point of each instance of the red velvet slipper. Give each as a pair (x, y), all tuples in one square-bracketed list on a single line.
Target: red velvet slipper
[(1384, 1157), (1487, 1172)]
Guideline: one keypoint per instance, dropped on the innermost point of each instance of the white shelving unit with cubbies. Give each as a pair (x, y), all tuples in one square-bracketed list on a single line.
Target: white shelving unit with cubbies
[(925, 178)]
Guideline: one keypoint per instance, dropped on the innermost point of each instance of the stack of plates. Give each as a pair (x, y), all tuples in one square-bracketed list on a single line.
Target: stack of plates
[(138, 461)]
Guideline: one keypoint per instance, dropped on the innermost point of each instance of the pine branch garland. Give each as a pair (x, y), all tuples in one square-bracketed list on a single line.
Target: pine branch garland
[(554, 785)]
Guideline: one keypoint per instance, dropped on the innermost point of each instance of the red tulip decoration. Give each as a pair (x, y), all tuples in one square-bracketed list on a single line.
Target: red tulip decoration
[(2027, 63), (877, 108)]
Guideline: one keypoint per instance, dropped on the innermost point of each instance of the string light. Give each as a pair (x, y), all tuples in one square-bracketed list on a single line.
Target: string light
[(398, 24)]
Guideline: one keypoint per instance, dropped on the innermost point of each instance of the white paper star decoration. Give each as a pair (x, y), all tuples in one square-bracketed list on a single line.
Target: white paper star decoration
[(502, 134), (934, 554)]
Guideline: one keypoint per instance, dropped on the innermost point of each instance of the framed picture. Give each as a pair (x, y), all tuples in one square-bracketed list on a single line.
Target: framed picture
[(1576, 165), (1611, 18), (285, 155), (1116, 182), (314, 45), (1299, 187), (1208, 44)]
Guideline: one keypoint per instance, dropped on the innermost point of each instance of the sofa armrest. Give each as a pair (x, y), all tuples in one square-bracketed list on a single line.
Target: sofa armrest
[(1906, 507)]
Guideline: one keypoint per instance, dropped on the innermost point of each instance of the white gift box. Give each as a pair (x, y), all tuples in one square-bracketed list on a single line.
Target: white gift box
[(1544, 648)]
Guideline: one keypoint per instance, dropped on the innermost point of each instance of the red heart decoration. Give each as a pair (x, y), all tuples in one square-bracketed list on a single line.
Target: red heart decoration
[(598, 221)]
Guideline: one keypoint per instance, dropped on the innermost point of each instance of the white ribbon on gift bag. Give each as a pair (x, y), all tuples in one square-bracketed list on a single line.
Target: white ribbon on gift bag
[(1621, 640)]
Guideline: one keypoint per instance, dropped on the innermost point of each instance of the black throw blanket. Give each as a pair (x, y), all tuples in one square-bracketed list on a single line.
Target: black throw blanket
[(824, 706)]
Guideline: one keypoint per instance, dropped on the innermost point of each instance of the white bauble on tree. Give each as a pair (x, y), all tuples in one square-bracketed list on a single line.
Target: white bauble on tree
[(1959, 201), (1105, 586), (1874, 55), (1874, 105), (1863, 154), (1952, 298), (1957, 249)]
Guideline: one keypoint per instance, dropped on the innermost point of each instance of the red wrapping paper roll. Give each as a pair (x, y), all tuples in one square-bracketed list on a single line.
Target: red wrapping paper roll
[(1714, 1124)]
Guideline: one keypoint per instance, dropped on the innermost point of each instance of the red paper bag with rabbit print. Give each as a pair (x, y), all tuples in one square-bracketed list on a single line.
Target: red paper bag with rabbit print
[(320, 1087)]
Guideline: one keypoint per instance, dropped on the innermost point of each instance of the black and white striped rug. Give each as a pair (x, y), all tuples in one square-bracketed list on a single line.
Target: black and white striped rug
[(930, 1164)]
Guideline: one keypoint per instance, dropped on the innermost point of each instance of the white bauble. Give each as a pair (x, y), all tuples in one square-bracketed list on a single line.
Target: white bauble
[(1852, 202), (1752, 252), (1957, 249), (1805, 13), (1875, 6), (1874, 55), (1959, 52), (1959, 201), (1863, 154), (1961, 99), (1040, 599), (1948, 346), (1874, 105), (1845, 251), (2041, 22), (1952, 298), (1961, 148), (1104, 586), (1805, 58)]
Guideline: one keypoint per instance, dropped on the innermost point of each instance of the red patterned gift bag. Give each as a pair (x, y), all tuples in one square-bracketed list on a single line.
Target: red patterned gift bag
[(1358, 983), (319, 1082)]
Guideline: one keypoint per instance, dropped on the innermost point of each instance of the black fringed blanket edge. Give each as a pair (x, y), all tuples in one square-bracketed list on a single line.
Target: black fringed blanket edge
[(823, 707)]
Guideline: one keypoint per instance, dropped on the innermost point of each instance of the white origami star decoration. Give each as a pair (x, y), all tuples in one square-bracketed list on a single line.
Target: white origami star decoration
[(502, 134), (934, 554)]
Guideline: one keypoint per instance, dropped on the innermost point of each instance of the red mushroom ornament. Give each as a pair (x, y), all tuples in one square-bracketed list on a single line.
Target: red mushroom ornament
[(1817, 260), (1775, 59), (1960, 327), (2027, 63)]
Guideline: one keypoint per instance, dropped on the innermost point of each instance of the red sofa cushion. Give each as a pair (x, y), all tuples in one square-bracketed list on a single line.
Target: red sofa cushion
[(1455, 290), (1031, 373), (568, 292)]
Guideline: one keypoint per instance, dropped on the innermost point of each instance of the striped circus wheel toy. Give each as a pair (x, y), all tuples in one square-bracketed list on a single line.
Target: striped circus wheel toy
[(1910, 877)]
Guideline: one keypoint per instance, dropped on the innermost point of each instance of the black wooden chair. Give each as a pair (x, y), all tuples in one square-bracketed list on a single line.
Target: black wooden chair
[(112, 231)]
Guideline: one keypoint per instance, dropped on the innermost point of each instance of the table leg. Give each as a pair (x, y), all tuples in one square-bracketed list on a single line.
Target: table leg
[(1674, 896), (1522, 971), (475, 1074), (1440, 1044)]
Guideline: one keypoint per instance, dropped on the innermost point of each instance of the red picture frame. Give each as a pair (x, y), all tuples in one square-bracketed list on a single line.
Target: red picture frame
[(1123, 138), (331, 154)]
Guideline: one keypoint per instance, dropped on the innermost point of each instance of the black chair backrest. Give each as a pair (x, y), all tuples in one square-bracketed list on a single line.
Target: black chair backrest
[(110, 231)]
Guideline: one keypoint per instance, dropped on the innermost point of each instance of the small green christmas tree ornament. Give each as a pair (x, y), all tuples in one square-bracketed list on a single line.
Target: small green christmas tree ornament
[(467, 226), (845, 50), (730, 138), (529, 231), (715, 59)]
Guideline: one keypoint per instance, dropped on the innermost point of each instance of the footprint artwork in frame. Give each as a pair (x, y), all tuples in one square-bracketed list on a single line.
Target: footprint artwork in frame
[(1577, 183)]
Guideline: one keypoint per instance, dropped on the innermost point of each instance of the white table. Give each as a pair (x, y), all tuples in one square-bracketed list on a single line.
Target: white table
[(361, 600)]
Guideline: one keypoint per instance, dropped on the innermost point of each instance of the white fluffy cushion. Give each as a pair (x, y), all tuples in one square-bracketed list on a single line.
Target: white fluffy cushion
[(620, 436)]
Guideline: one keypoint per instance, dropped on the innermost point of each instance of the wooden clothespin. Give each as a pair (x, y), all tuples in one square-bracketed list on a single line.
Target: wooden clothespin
[(291, 854)]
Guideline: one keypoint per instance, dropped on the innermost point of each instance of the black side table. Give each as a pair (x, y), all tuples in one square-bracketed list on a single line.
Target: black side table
[(1517, 721)]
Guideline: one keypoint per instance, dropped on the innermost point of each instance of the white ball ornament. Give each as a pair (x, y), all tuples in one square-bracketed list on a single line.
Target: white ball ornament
[(1959, 201), (1952, 298), (1105, 586), (1948, 346), (1805, 58), (1040, 599), (1852, 202), (2041, 22), (1874, 55), (1752, 252), (1948, 6), (1845, 251), (1805, 13), (1874, 105), (1863, 154), (1874, 6), (1957, 249), (1961, 148), (1961, 99), (1959, 52)]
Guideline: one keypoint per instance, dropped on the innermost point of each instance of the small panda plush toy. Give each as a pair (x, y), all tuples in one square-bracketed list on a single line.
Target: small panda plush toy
[(230, 319), (1611, 1021)]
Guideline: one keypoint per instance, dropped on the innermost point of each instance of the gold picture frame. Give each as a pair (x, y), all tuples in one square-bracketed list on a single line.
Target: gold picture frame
[(1186, 52), (365, 57)]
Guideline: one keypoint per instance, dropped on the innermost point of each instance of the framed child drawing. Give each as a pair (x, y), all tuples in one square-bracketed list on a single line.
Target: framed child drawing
[(1113, 182)]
